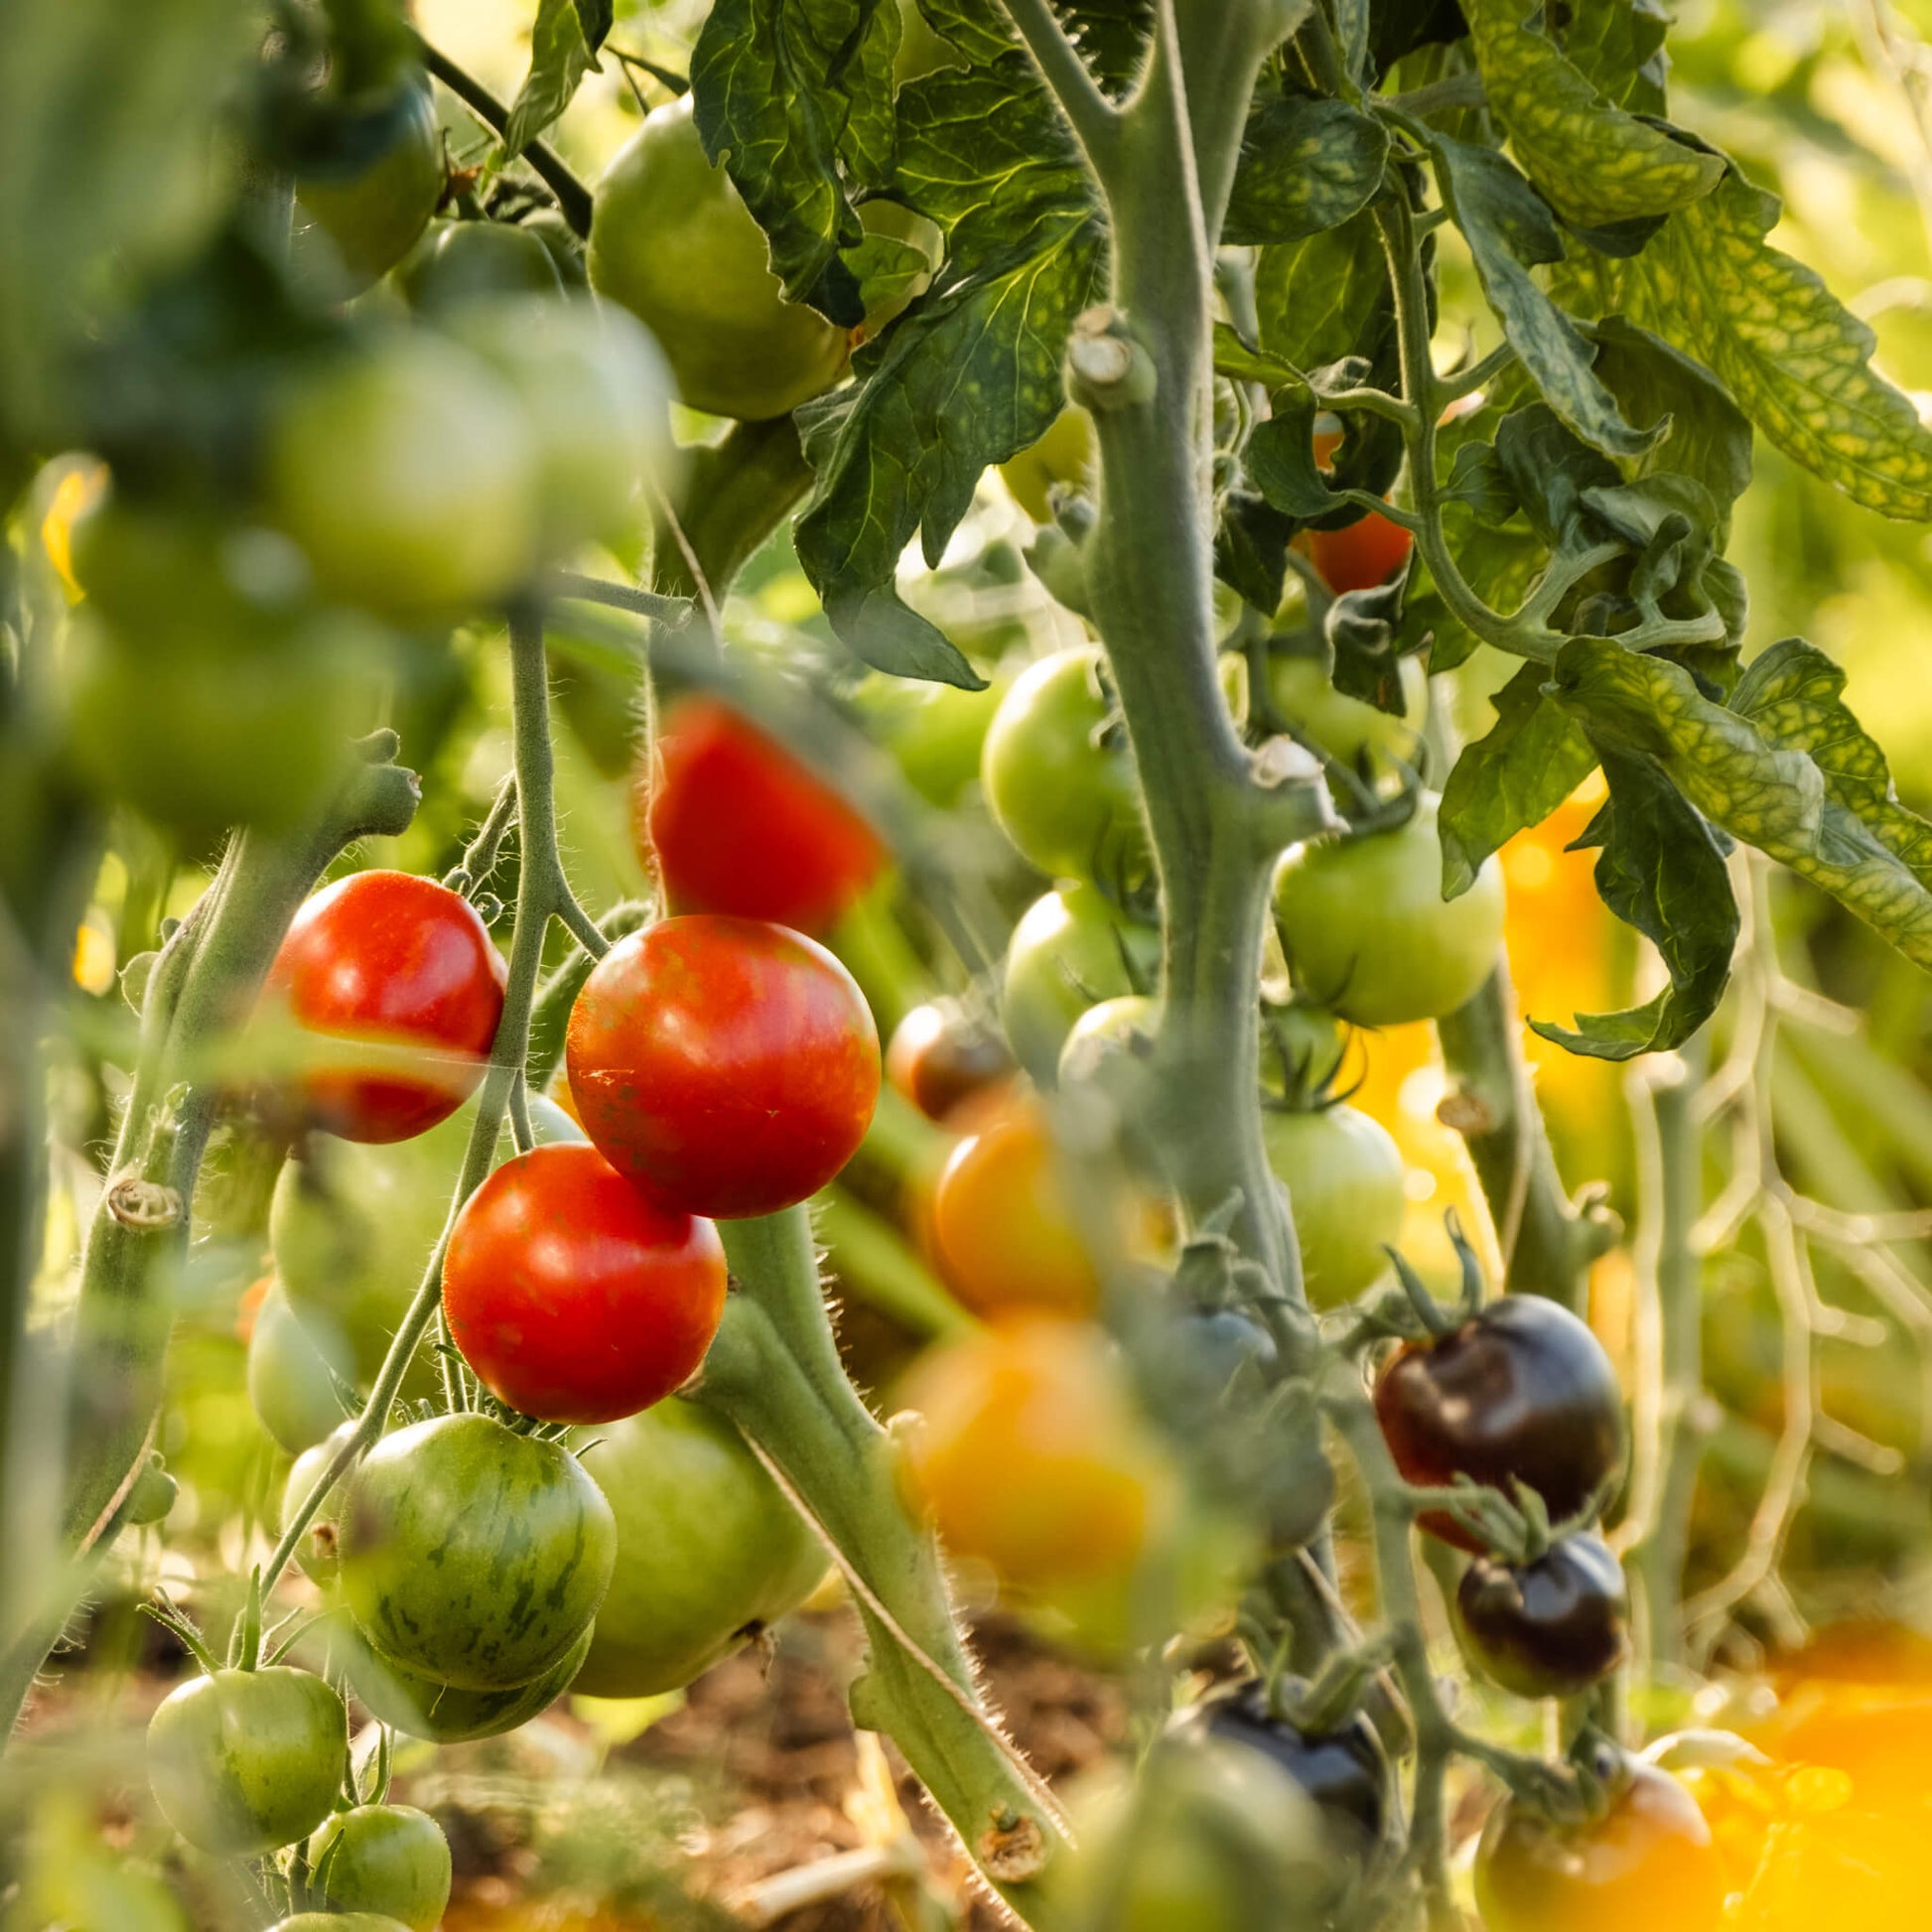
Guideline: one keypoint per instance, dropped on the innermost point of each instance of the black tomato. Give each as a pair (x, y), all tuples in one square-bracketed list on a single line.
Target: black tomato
[(1521, 1392), (1345, 1771), (1548, 1629)]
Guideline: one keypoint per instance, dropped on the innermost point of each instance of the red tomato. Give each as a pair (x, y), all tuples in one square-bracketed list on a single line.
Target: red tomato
[(727, 1066), (739, 825), (573, 1296), (403, 962), (1360, 557)]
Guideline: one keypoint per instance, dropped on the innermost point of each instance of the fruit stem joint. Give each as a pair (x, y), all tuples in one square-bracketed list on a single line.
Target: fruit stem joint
[(1106, 369)]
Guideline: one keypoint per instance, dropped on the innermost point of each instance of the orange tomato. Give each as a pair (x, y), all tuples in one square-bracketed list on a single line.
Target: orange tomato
[(1363, 556)]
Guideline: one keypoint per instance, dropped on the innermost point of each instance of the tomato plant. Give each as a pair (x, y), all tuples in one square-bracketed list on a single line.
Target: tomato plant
[(449, 1520), (574, 1297), (1519, 1392), (1368, 932), (244, 1761), (389, 1859), (403, 962), (709, 1551), (728, 1066), (735, 823)]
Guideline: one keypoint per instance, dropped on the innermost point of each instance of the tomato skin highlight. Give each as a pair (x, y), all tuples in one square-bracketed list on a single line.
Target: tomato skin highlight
[(1522, 1390), (573, 1296), (1365, 554), (1548, 1629), (243, 1763), (739, 825), (728, 1068), (390, 957), (1649, 1862)]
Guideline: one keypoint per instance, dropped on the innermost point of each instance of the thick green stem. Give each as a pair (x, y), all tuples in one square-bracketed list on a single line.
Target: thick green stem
[(1547, 1241), (774, 1371)]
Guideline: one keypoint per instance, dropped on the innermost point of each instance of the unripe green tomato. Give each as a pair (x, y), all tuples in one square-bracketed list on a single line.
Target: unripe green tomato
[(406, 473), (1368, 933), (460, 262), (1212, 1837), (1064, 455), (934, 732), (291, 1374), (1059, 779), (420, 1707), (339, 1922), (1343, 726), (671, 241), (1060, 565), (202, 731), (153, 1495), (472, 1555), (1070, 950), (1345, 1179), (355, 225), (388, 1860), (353, 1227), (709, 1551), (1104, 1033), (243, 1763), (319, 1552), (596, 396)]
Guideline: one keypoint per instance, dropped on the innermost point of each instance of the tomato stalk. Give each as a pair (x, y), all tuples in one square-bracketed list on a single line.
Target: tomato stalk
[(774, 1371), (542, 893)]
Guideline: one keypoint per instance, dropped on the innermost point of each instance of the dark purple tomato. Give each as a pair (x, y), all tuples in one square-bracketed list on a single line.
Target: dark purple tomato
[(1548, 1629)]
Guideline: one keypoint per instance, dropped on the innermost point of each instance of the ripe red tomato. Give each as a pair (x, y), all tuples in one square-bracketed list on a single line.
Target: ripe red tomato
[(727, 1066), (574, 1297), (739, 825), (1363, 556), (1520, 1392), (401, 961)]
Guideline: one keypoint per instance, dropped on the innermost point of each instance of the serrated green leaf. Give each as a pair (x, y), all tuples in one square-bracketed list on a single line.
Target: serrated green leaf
[(1306, 165), (1795, 359), (1479, 483), (1532, 758), (1617, 46), (1596, 164), (1241, 361), (1509, 231), (1549, 469), (561, 55), (1770, 794), (796, 98), (1709, 436), (971, 375), (1363, 628), (1251, 549), (1280, 457), (1662, 871), (1326, 297), (978, 29)]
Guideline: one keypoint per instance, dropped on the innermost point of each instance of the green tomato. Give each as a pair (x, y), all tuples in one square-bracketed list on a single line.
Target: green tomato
[(920, 49), (355, 225), (1103, 1034), (934, 732), (389, 1859), (1344, 727), (474, 1555), (1059, 779), (243, 1763), (1345, 1179), (461, 261), (352, 1227), (1070, 950), (596, 396), (1368, 933), (709, 1551), (671, 241), (901, 252), (1064, 455), (420, 1707), (155, 1492), (318, 1552), (339, 1922), (292, 1375), (406, 474)]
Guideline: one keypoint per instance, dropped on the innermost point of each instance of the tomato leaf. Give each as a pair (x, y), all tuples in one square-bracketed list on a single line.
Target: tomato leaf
[(1618, 47), (563, 48), (1251, 548), (796, 98), (1549, 469), (1596, 164), (1326, 297), (1789, 772), (1795, 359), (1480, 482), (1306, 166), (1362, 628), (1532, 758), (968, 376), (1509, 231), (1663, 872)]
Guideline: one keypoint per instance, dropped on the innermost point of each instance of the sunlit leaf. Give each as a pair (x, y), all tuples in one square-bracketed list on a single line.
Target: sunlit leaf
[(562, 50), (1306, 166)]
